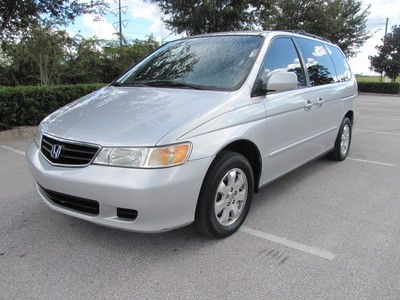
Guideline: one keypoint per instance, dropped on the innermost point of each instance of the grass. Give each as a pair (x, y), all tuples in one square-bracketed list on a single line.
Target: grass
[(372, 79)]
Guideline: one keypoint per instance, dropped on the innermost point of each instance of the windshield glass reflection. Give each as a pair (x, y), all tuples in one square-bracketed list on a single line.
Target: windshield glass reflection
[(218, 62)]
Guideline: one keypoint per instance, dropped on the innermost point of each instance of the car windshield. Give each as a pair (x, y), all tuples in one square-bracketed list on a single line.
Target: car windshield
[(214, 62)]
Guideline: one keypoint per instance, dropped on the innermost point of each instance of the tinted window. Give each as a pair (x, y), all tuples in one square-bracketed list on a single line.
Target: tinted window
[(282, 56), (318, 62), (220, 62), (341, 66)]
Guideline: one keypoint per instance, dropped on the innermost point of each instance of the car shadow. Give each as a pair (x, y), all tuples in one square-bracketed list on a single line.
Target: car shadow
[(42, 227), (272, 192)]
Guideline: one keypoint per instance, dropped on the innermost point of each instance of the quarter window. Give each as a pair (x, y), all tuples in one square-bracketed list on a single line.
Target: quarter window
[(318, 62), (339, 61), (282, 56)]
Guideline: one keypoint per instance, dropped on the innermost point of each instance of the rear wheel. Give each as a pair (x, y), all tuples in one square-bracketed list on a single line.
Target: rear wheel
[(343, 140), (225, 197)]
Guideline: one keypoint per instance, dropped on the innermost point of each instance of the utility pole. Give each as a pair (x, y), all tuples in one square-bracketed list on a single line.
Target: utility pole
[(386, 26), (120, 23), (384, 40)]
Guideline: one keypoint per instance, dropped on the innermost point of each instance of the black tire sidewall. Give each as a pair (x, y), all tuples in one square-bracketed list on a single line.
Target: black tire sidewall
[(227, 161), (339, 138)]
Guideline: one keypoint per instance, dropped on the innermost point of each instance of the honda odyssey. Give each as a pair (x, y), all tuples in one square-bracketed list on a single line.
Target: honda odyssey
[(189, 133)]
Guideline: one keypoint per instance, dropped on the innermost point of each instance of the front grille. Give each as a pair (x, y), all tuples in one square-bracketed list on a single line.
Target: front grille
[(72, 202), (63, 152)]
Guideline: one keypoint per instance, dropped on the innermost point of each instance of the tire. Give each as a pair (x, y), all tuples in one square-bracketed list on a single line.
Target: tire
[(227, 189), (340, 152)]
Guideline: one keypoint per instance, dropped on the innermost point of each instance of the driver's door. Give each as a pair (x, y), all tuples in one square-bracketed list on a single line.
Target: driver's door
[(290, 114)]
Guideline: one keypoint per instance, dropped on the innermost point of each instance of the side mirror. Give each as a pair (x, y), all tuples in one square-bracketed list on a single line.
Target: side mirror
[(281, 81)]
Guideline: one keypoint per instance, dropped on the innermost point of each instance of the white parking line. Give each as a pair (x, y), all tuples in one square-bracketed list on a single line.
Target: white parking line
[(378, 132), (378, 117), (268, 236), (288, 243), (373, 110), (4, 147), (372, 162)]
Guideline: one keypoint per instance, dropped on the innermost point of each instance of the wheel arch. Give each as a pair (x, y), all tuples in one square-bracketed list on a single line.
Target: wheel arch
[(251, 152), (350, 115)]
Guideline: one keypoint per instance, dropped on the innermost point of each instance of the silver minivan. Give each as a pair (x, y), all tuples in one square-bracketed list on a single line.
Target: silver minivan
[(189, 133)]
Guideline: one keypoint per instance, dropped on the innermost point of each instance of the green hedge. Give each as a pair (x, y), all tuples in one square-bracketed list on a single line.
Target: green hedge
[(379, 87), (28, 105)]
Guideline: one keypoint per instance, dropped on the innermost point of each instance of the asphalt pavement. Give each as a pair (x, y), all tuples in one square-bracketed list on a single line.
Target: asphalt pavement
[(326, 230)]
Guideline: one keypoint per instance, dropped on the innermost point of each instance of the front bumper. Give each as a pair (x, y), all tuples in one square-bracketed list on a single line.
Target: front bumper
[(164, 198)]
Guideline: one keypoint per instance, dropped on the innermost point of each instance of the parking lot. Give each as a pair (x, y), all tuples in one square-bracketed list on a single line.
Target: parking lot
[(326, 230)]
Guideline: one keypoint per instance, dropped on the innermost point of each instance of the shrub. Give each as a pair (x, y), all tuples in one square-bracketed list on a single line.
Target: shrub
[(28, 105), (379, 87)]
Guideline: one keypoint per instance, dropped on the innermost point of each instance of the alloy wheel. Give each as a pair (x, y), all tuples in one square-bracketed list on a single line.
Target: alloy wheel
[(231, 197)]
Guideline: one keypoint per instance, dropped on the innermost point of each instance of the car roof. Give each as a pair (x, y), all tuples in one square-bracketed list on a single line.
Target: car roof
[(297, 33)]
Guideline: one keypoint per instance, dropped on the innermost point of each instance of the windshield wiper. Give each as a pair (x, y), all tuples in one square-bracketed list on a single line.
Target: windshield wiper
[(170, 83), (119, 84)]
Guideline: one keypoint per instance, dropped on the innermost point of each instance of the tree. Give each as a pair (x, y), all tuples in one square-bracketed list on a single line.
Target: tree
[(44, 55), (16, 15), (341, 21), (15, 67), (95, 60), (37, 56), (84, 63), (197, 17), (388, 58), (46, 48), (116, 59)]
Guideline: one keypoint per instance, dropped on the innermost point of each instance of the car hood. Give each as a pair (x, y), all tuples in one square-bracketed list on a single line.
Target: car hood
[(130, 116)]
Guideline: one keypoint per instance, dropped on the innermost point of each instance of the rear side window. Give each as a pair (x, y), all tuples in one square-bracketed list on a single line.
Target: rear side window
[(342, 67), (318, 62), (282, 56)]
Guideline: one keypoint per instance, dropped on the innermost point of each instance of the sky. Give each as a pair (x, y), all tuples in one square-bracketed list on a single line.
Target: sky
[(142, 19)]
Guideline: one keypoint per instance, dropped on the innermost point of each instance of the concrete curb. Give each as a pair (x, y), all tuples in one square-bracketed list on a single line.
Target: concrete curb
[(378, 94), (24, 132), (17, 133)]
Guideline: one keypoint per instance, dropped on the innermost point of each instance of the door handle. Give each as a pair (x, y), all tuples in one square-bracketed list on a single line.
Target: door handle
[(308, 105), (320, 101)]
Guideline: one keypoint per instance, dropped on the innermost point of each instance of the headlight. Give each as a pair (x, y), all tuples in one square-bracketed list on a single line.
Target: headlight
[(38, 136), (144, 157)]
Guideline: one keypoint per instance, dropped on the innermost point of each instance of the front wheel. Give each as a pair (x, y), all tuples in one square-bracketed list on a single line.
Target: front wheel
[(343, 140), (225, 197)]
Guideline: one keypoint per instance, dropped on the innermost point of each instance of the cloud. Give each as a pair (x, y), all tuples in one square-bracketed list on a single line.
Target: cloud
[(379, 11), (144, 18), (360, 63), (140, 9), (382, 9), (143, 11), (100, 28)]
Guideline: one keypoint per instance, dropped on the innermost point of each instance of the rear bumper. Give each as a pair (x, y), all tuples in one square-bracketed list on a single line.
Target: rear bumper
[(164, 198)]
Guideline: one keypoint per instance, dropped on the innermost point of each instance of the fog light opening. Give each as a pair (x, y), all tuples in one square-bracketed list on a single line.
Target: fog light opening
[(127, 214)]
